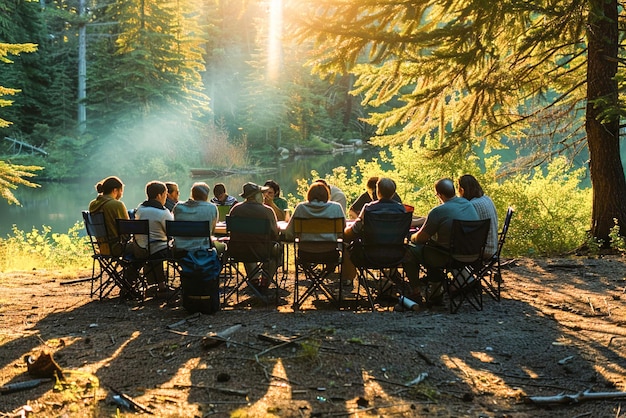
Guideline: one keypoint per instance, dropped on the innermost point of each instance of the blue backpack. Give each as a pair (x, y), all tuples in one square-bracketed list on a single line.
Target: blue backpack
[(202, 263)]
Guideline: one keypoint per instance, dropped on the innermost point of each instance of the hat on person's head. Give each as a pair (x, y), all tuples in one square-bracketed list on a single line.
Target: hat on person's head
[(250, 189)]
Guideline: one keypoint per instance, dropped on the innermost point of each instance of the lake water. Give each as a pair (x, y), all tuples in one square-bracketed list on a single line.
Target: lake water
[(59, 205)]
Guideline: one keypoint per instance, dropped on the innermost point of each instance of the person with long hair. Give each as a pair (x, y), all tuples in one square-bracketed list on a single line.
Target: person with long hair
[(110, 191), (470, 189)]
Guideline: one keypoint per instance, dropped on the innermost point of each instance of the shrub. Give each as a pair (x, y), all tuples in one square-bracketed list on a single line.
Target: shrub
[(45, 249), (552, 211)]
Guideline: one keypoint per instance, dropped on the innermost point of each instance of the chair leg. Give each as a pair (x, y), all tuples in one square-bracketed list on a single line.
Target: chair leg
[(362, 276), (462, 285), (245, 277), (316, 274), (492, 282)]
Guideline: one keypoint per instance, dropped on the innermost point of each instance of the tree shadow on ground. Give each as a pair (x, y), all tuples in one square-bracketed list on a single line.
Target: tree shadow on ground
[(476, 362)]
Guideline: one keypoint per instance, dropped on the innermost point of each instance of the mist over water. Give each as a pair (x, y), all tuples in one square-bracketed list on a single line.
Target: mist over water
[(59, 205)]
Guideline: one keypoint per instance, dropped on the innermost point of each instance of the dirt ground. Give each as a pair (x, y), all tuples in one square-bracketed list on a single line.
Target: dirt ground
[(559, 329)]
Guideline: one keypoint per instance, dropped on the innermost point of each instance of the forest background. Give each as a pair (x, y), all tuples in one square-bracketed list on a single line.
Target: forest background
[(190, 83)]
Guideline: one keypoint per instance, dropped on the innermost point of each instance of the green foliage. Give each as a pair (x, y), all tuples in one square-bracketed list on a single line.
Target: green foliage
[(444, 73), (310, 350), (44, 249), (11, 176), (463, 69), (552, 211), (618, 243)]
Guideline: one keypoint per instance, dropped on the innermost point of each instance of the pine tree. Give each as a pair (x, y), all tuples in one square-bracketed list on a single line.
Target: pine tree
[(459, 72), (12, 175), (146, 61)]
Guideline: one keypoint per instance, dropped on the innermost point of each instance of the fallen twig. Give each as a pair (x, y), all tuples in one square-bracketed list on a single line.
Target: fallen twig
[(214, 339), (575, 398), (131, 401), (183, 321), (214, 388), (19, 386), (425, 358)]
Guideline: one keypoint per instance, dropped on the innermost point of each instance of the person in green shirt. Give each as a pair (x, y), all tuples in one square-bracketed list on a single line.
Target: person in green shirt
[(272, 199)]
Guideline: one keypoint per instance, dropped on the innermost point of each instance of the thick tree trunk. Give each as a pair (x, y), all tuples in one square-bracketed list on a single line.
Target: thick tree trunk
[(607, 174)]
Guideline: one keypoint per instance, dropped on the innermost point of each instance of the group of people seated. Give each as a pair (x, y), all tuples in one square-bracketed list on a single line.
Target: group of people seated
[(162, 204), (427, 246)]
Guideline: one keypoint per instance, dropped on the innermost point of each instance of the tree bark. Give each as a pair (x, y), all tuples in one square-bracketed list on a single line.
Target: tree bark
[(602, 127)]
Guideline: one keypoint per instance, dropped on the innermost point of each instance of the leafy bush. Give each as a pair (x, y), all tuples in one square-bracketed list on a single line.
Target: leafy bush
[(552, 211), (44, 249)]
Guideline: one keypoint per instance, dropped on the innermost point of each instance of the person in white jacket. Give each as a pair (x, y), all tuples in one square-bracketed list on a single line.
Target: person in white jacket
[(153, 209)]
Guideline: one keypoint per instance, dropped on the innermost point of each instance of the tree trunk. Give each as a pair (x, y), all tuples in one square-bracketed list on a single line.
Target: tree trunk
[(602, 121)]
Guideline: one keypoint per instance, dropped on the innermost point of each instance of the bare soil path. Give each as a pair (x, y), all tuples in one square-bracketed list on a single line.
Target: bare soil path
[(560, 328)]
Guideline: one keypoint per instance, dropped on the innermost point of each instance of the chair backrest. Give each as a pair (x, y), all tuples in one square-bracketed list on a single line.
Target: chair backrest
[(386, 228), (94, 224), (318, 229), (384, 237), (222, 211), (187, 228), (249, 239), (99, 238), (505, 230), (318, 235), (129, 228), (468, 240), (184, 232)]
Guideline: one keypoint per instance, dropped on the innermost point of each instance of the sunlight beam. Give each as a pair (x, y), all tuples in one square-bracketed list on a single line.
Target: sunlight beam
[(274, 39)]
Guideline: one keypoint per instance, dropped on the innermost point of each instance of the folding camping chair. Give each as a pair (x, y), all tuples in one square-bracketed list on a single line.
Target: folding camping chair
[(460, 273), (490, 273), (141, 267), (107, 270), (379, 253), (318, 249), (248, 242)]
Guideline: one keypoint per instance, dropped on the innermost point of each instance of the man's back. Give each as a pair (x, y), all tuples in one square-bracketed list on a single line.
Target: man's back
[(194, 210), (256, 210), (157, 217), (439, 221)]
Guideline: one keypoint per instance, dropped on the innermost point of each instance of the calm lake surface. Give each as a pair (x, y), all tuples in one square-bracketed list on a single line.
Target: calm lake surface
[(59, 205)]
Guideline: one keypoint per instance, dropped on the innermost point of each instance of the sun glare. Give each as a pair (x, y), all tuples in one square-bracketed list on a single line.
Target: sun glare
[(274, 39)]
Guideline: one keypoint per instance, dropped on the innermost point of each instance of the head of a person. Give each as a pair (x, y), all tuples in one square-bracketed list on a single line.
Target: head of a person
[(274, 189), (200, 191), (172, 191), (156, 190), (252, 192), (371, 187), (111, 186), (445, 189), (469, 187), (317, 191), (385, 188), (323, 181), (219, 191)]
